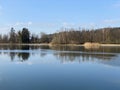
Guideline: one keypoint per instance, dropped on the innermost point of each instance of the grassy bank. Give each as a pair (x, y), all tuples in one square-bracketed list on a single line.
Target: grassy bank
[(47, 44), (110, 45)]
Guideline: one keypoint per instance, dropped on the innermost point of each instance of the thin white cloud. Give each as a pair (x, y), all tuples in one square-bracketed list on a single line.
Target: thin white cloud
[(112, 21), (44, 26), (66, 24), (22, 24), (35, 24), (90, 25), (5, 29), (70, 25), (29, 23)]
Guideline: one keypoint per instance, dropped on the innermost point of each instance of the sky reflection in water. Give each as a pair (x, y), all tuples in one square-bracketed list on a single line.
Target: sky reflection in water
[(59, 68)]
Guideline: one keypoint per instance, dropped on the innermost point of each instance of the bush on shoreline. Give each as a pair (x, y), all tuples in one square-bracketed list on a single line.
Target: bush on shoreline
[(89, 45)]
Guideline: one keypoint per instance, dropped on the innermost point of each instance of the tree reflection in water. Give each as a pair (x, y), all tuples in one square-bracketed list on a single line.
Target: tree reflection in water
[(82, 57), (23, 56), (73, 54), (12, 56)]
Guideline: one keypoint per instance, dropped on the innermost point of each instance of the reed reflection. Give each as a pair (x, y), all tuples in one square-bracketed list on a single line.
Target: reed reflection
[(84, 49)]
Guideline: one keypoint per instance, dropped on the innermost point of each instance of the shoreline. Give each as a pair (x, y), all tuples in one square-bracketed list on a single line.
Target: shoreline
[(32, 44), (112, 45), (45, 44)]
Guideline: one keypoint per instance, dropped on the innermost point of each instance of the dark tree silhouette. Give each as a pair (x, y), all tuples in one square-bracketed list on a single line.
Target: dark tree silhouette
[(25, 35)]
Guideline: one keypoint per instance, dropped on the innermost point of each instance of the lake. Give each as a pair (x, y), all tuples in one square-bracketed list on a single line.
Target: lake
[(59, 68)]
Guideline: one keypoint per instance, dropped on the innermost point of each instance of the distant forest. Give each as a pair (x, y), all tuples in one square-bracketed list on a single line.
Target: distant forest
[(65, 36)]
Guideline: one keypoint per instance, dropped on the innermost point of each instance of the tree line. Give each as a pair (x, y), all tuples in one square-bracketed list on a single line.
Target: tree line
[(65, 36), (103, 36), (23, 36), (13, 37)]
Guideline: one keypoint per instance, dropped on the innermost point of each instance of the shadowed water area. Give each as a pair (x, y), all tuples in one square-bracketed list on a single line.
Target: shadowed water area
[(59, 68)]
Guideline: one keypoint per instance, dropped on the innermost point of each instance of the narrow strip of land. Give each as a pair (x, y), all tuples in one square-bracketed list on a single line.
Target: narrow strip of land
[(46, 44)]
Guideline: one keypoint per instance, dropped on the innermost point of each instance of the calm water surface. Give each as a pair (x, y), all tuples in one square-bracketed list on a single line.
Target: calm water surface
[(59, 68)]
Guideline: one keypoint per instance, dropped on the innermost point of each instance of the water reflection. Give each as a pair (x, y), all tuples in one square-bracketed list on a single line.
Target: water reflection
[(72, 54), (23, 56), (77, 57), (42, 68), (12, 55), (60, 48), (83, 49)]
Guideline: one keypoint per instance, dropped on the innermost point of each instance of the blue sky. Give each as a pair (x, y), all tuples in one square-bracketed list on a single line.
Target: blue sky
[(50, 16)]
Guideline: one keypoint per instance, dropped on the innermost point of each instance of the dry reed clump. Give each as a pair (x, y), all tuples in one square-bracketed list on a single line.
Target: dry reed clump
[(89, 45)]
